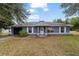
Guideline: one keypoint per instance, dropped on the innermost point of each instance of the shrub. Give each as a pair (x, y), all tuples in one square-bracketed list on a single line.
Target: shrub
[(23, 33), (77, 30)]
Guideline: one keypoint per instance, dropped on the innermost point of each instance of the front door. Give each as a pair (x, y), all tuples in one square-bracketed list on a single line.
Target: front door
[(41, 30)]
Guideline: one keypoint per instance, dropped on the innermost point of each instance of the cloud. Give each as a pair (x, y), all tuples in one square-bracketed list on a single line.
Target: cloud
[(34, 17), (44, 6), (38, 5), (46, 9), (32, 10)]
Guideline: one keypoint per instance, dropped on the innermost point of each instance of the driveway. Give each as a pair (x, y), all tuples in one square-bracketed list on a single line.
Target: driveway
[(4, 39)]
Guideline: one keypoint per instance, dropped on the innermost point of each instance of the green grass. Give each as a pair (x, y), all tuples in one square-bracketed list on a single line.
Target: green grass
[(3, 34), (70, 45)]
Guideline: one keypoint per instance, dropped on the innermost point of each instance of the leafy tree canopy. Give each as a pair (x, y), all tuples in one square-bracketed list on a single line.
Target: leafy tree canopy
[(75, 22), (70, 8), (10, 12), (57, 21)]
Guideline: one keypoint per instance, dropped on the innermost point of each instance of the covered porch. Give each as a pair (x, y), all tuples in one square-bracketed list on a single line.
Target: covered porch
[(42, 30), (48, 30)]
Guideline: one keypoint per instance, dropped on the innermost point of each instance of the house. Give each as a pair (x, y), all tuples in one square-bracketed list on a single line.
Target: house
[(6, 31), (42, 28)]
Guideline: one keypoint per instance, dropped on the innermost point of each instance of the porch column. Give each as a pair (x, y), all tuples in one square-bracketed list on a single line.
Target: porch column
[(12, 30), (45, 30), (32, 29), (27, 29), (59, 29), (38, 30), (64, 29)]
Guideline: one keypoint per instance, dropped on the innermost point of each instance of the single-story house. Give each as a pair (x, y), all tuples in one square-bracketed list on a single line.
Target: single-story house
[(42, 28)]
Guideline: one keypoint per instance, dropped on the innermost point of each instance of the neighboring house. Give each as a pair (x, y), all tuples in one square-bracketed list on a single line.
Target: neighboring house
[(42, 28), (5, 31)]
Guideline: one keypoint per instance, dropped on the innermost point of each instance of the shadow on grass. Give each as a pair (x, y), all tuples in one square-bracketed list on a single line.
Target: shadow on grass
[(2, 36)]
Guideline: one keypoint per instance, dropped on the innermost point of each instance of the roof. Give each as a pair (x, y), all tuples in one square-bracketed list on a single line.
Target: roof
[(41, 24)]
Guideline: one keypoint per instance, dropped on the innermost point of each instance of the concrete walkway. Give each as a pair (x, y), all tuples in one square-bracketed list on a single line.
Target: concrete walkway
[(4, 39)]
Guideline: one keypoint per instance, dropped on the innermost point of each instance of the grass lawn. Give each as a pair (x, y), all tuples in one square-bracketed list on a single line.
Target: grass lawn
[(51, 45), (4, 34)]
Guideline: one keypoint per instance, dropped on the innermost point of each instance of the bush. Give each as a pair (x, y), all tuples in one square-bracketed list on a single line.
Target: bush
[(77, 30), (23, 33)]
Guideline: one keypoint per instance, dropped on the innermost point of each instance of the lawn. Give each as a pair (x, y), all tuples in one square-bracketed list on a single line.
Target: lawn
[(46, 46), (4, 34)]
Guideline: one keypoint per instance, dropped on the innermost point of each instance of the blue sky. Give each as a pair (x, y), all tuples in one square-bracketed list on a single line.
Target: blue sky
[(44, 11)]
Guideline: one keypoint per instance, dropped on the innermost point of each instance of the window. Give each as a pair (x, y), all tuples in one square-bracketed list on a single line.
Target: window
[(62, 29), (41, 28), (30, 29), (67, 29), (35, 29), (49, 29)]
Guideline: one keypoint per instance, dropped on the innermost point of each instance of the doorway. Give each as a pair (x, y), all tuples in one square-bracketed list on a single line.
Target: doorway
[(16, 30), (42, 30)]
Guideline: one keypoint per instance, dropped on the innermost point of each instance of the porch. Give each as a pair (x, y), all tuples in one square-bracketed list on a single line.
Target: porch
[(48, 30), (42, 30)]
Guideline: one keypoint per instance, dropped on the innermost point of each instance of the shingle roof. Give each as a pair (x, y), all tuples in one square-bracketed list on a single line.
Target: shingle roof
[(42, 24)]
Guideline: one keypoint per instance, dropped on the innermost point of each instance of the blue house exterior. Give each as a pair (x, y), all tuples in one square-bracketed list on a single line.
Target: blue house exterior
[(42, 28)]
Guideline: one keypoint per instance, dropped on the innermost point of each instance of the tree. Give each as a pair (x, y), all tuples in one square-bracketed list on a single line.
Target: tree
[(75, 22), (70, 8), (13, 11), (66, 21), (54, 21), (10, 12), (6, 23), (58, 21)]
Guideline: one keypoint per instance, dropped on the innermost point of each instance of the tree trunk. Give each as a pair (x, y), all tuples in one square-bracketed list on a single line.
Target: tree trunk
[(0, 29)]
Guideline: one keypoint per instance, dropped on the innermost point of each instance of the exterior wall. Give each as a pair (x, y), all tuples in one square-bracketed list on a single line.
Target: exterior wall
[(29, 29), (25, 29), (56, 30), (16, 30), (67, 29), (35, 30)]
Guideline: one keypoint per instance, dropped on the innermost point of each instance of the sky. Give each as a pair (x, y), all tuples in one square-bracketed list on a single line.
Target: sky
[(44, 11)]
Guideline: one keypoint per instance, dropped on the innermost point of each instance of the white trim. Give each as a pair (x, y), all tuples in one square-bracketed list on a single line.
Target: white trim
[(41, 31), (27, 30), (46, 31), (49, 33), (59, 29), (64, 29), (37, 30), (58, 33), (32, 29)]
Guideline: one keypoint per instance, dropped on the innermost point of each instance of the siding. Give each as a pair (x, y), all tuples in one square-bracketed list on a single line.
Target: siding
[(55, 29), (35, 29), (67, 29)]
